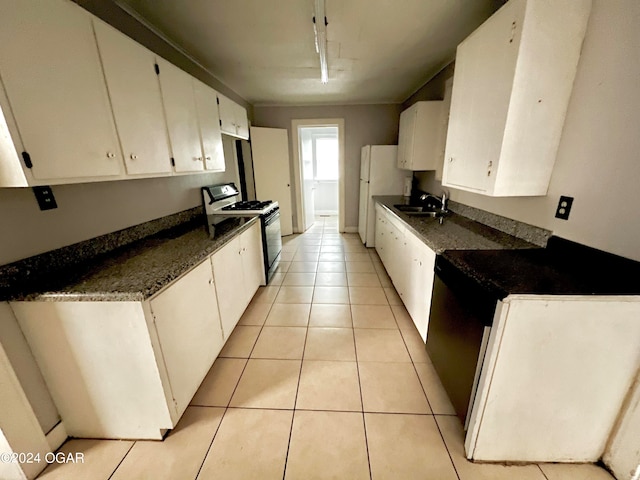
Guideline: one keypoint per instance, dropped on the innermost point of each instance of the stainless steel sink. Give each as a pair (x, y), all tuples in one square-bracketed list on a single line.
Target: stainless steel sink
[(427, 213), (419, 211), (409, 208)]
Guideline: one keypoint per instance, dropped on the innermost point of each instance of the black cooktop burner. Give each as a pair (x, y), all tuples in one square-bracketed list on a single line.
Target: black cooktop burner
[(248, 205)]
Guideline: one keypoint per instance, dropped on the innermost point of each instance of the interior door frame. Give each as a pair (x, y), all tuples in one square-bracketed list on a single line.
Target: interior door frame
[(301, 225)]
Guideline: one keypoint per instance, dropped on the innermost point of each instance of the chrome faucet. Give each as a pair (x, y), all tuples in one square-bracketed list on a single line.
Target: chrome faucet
[(443, 200)]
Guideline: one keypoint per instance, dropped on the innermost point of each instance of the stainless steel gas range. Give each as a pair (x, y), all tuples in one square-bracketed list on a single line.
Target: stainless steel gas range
[(223, 201)]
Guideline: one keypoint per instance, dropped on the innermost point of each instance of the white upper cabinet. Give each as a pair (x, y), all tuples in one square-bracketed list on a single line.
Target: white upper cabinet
[(182, 118), (233, 118), (55, 86), (419, 136), (512, 83), (209, 122), (130, 71), (82, 102)]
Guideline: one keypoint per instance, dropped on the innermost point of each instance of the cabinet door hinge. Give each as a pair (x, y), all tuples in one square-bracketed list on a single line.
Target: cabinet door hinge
[(217, 100), (157, 67), (173, 162), (27, 160), (220, 122)]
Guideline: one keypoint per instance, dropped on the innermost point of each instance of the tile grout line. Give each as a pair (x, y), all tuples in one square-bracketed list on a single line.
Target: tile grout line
[(295, 400), (204, 459), (226, 408), (413, 363), (364, 423), (120, 462), (542, 471)]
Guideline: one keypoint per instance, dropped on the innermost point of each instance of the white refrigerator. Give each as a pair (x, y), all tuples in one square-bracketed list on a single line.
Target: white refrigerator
[(379, 175)]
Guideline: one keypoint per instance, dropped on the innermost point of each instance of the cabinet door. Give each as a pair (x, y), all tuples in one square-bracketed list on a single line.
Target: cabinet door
[(242, 122), (404, 138), (229, 278), (182, 118), (482, 84), (188, 325), (133, 85), (55, 84), (211, 140), (381, 235), (252, 261), (395, 255), (420, 274), (226, 110)]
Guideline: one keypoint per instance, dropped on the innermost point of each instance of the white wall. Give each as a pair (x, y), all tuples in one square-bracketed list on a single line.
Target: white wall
[(364, 125), (89, 210), (598, 159)]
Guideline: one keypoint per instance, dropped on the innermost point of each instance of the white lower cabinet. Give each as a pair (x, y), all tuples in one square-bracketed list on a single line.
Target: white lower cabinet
[(381, 234), (410, 265), (239, 271), (128, 369), (557, 370), (420, 275), (187, 323)]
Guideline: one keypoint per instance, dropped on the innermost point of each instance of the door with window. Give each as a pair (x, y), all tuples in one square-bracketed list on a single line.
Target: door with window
[(320, 170)]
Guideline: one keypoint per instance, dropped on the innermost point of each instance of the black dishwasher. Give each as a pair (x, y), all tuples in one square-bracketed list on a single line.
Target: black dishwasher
[(461, 316)]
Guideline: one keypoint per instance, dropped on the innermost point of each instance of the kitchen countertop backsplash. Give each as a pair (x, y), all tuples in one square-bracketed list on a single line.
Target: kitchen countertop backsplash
[(127, 265), (135, 263)]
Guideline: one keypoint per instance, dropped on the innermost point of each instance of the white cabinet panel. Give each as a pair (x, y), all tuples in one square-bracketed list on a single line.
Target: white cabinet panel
[(99, 365), (381, 234), (227, 115), (410, 265), (233, 118), (182, 118), (511, 89), (186, 319), (209, 123), (419, 138), (420, 275), (231, 295), (242, 122), (136, 100), (252, 260), (556, 373), (55, 84), (242, 259)]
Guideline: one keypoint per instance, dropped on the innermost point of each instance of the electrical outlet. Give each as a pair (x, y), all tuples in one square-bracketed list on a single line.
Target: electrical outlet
[(564, 207), (45, 198)]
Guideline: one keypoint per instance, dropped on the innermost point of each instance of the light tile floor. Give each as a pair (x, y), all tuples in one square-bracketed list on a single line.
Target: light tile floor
[(324, 377)]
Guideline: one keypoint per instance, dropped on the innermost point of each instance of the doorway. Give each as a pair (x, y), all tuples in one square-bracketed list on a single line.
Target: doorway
[(319, 171)]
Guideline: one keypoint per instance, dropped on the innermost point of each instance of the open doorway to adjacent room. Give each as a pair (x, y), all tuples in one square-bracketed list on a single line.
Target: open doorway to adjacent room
[(319, 171)]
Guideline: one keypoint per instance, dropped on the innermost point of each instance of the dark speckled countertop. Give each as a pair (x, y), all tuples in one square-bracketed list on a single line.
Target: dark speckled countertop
[(504, 264), (136, 271), (455, 232)]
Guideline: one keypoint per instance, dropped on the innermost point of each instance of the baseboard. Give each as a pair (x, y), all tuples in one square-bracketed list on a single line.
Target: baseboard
[(56, 436), (350, 229), (331, 213)]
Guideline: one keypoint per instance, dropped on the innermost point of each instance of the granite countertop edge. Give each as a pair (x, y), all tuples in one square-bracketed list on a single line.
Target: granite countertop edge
[(439, 237), (144, 288)]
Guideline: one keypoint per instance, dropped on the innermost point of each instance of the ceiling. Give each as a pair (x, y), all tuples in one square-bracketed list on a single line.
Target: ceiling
[(379, 51)]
